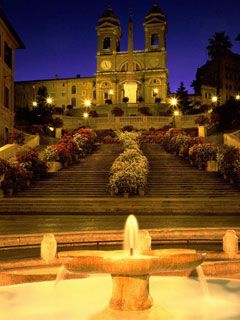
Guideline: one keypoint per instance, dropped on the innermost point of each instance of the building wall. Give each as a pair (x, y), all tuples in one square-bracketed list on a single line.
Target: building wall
[(150, 73), (61, 90), (229, 78), (7, 43)]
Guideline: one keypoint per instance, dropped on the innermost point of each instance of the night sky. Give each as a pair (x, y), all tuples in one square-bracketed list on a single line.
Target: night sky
[(60, 36)]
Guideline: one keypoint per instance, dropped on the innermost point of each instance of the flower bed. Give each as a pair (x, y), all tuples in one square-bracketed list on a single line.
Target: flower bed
[(227, 158), (71, 146), (200, 153), (129, 171)]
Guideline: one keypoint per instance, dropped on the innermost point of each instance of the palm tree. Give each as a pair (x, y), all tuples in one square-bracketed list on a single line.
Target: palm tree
[(218, 45)]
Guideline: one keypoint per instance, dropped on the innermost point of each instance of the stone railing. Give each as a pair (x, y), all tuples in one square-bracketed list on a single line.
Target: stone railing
[(117, 122), (10, 150), (232, 139), (138, 122)]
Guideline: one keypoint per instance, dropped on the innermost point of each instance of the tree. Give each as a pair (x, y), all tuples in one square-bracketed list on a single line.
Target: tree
[(183, 99), (218, 45)]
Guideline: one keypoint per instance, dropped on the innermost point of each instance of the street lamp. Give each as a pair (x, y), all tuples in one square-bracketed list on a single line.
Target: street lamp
[(34, 104), (214, 99), (49, 100), (173, 102), (238, 97), (87, 103)]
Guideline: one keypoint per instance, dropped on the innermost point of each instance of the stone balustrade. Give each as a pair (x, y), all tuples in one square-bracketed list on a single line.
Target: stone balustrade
[(232, 139), (9, 151), (138, 122)]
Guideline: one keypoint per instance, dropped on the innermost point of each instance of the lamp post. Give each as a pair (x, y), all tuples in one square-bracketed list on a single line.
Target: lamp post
[(176, 113), (49, 101)]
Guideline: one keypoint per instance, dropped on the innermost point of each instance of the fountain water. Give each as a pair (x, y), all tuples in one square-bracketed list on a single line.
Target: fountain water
[(129, 282)]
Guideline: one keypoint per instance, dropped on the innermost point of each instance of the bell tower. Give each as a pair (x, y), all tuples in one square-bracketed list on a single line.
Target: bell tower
[(108, 33), (155, 28)]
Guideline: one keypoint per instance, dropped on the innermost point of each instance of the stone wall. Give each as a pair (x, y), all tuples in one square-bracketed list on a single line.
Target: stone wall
[(232, 139), (10, 150)]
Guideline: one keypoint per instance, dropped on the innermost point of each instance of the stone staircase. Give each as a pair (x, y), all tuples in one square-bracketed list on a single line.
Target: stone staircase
[(88, 178), (174, 188), (173, 177)]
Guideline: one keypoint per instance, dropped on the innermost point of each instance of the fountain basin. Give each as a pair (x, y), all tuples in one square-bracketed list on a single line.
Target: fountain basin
[(130, 274), (86, 299)]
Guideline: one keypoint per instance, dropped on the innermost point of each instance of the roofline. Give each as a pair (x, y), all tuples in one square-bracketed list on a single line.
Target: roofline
[(11, 29), (54, 79)]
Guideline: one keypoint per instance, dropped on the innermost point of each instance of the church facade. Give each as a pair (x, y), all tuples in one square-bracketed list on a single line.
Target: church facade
[(121, 77)]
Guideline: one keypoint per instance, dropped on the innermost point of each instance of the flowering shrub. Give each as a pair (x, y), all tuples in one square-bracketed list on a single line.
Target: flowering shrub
[(17, 137), (236, 171), (153, 137), (31, 162), (226, 158), (117, 112), (110, 139), (129, 171), (206, 152), (51, 154), (3, 166)]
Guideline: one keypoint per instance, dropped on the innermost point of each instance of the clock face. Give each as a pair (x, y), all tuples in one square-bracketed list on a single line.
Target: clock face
[(106, 64)]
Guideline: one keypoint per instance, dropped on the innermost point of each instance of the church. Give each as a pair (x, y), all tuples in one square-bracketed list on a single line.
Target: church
[(122, 77)]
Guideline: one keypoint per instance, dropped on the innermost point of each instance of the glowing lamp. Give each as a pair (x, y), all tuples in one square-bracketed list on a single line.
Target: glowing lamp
[(85, 115), (34, 104), (49, 100), (87, 103), (214, 99), (51, 128), (155, 91), (176, 113), (173, 102), (238, 97), (111, 92)]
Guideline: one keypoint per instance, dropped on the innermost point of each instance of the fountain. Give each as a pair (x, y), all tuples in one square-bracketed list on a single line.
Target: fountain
[(134, 272), (130, 269)]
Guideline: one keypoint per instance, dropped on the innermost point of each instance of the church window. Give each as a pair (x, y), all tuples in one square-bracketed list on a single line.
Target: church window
[(155, 40), (107, 43), (73, 102), (74, 89)]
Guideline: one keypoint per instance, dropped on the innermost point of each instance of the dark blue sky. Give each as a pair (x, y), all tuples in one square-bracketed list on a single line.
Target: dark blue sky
[(60, 36)]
